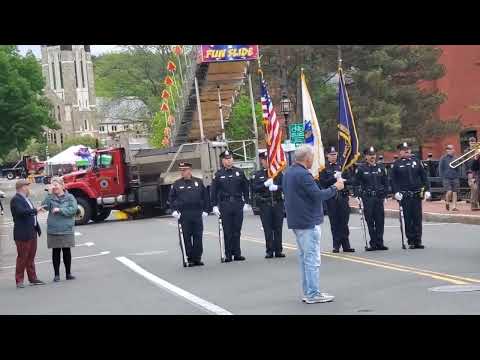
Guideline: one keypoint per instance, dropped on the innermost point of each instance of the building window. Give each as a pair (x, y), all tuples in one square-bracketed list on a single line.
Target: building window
[(53, 73), (58, 114), (55, 138), (86, 124), (76, 76), (114, 127), (61, 138), (81, 69), (61, 75)]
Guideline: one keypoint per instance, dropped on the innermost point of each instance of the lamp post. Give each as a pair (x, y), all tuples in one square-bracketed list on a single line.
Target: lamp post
[(285, 109)]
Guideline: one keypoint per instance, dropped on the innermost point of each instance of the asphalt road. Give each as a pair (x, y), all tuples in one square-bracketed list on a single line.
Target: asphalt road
[(134, 267)]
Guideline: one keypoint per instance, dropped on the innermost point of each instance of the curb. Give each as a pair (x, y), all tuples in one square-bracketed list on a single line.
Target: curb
[(435, 217)]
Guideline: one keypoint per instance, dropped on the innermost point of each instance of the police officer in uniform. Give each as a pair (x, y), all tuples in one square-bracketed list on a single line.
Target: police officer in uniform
[(371, 178), (189, 202), (410, 185), (269, 197), (229, 200), (338, 208)]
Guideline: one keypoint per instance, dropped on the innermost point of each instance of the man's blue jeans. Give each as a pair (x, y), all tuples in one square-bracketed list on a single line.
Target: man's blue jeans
[(308, 242)]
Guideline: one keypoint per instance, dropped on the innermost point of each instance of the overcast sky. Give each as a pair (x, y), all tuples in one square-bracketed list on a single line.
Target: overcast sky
[(95, 49)]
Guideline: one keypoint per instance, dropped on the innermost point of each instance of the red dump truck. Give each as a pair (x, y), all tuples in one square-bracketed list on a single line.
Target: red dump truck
[(27, 165), (121, 179)]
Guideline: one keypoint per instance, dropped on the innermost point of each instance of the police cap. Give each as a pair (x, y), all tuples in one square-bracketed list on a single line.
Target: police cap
[(227, 154), (263, 155), (184, 165), (331, 150), (370, 151), (403, 146)]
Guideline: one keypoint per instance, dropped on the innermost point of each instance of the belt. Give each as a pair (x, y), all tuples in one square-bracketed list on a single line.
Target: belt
[(411, 194), (230, 198), (373, 193)]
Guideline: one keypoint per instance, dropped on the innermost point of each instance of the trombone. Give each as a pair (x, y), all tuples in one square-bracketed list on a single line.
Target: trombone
[(475, 151)]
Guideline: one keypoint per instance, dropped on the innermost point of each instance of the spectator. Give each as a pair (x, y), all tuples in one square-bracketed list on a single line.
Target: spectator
[(62, 208), (303, 205), (473, 176), (25, 231), (450, 178)]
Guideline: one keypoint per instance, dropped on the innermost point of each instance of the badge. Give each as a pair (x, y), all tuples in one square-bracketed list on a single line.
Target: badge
[(262, 177), (189, 187), (222, 177), (182, 187), (414, 163), (237, 173), (196, 184)]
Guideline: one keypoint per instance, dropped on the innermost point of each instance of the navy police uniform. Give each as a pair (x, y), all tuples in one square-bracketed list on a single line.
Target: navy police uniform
[(372, 182), (230, 193), (338, 207), (190, 198), (410, 179), (270, 202)]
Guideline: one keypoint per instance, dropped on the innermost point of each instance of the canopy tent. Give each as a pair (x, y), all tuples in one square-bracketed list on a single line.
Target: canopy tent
[(65, 160)]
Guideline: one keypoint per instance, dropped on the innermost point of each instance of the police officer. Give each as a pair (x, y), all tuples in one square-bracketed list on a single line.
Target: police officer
[(371, 178), (410, 184), (338, 208), (269, 197), (189, 202), (229, 200)]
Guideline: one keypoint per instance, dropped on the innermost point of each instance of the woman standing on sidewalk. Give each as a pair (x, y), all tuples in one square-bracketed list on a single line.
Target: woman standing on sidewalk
[(62, 208)]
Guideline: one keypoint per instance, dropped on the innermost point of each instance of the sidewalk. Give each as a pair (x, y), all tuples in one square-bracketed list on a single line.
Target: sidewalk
[(433, 211)]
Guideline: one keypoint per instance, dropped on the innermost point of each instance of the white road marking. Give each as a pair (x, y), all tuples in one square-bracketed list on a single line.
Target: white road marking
[(74, 258), (215, 309), (88, 244), (150, 253)]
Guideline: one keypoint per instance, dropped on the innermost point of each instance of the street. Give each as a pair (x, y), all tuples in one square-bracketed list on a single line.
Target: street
[(134, 267)]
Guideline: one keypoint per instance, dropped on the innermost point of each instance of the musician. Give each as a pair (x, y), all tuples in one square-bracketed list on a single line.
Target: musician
[(473, 176)]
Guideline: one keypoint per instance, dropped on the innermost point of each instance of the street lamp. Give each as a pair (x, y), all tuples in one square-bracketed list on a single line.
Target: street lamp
[(286, 109)]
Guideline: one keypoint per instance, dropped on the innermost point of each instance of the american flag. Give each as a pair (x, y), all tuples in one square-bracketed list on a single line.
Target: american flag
[(273, 134)]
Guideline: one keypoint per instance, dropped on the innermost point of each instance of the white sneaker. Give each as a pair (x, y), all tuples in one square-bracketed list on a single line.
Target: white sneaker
[(322, 298)]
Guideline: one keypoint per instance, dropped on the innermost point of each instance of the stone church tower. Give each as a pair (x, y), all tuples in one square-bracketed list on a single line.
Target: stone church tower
[(70, 87)]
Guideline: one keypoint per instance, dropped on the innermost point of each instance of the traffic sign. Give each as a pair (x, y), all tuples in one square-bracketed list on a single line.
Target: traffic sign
[(297, 135)]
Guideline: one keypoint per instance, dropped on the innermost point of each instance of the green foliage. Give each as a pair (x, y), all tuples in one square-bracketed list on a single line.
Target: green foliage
[(384, 86), (156, 132), (24, 111), (38, 148), (86, 140), (239, 126)]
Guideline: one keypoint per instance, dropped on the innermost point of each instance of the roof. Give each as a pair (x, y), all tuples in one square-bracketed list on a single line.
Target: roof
[(118, 111)]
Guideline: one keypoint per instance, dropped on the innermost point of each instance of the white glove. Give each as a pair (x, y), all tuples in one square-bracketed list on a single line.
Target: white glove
[(428, 195), (247, 207), (176, 215), (204, 214), (216, 211), (338, 175), (268, 182), (273, 187), (398, 196)]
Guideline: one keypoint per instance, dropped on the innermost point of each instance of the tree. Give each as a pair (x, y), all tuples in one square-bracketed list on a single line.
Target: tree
[(38, 148), (239, 126), (385, 84), (23, 108)]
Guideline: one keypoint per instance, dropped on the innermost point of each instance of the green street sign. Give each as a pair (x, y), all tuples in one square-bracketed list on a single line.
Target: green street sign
[(297, 136)]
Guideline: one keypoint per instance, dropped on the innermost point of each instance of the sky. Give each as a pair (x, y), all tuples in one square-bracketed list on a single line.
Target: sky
[(95, 49)]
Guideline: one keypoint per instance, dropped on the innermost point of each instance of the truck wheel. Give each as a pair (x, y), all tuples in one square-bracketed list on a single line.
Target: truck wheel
[(84, 212), (102, 215), (10, 175)]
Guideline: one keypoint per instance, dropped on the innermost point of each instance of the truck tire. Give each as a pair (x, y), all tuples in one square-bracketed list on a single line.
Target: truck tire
[(10, 175), (84, 212), (102, 215)]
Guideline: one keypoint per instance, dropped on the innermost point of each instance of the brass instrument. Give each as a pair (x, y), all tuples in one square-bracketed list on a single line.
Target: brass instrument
[(465, 157)]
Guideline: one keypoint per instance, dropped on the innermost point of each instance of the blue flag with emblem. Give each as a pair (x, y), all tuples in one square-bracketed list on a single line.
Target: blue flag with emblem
[(348, 153)]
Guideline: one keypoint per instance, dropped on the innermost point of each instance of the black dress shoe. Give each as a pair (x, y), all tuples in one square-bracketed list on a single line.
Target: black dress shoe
[(228, 259), (268, 256), (190, 264), (198, 263), (238, 258), (349, 250), (335, 251), (280, 255), (382, 247), (418, 246), (371, 248), (70, 277)]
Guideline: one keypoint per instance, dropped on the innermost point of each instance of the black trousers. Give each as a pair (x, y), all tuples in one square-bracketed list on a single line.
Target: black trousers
[(272, 223), (192, 226), (232, 220), (375, 218), (339, 214), (412, 214)]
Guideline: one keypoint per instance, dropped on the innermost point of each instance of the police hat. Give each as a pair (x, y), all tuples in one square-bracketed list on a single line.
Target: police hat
[(263, 155), (370, 151), (184, 165), (227, 154), (331, 150), (403, 146)]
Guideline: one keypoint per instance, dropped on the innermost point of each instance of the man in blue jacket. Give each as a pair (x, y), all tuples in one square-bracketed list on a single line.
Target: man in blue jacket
[(450, 178), (303, 205)]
